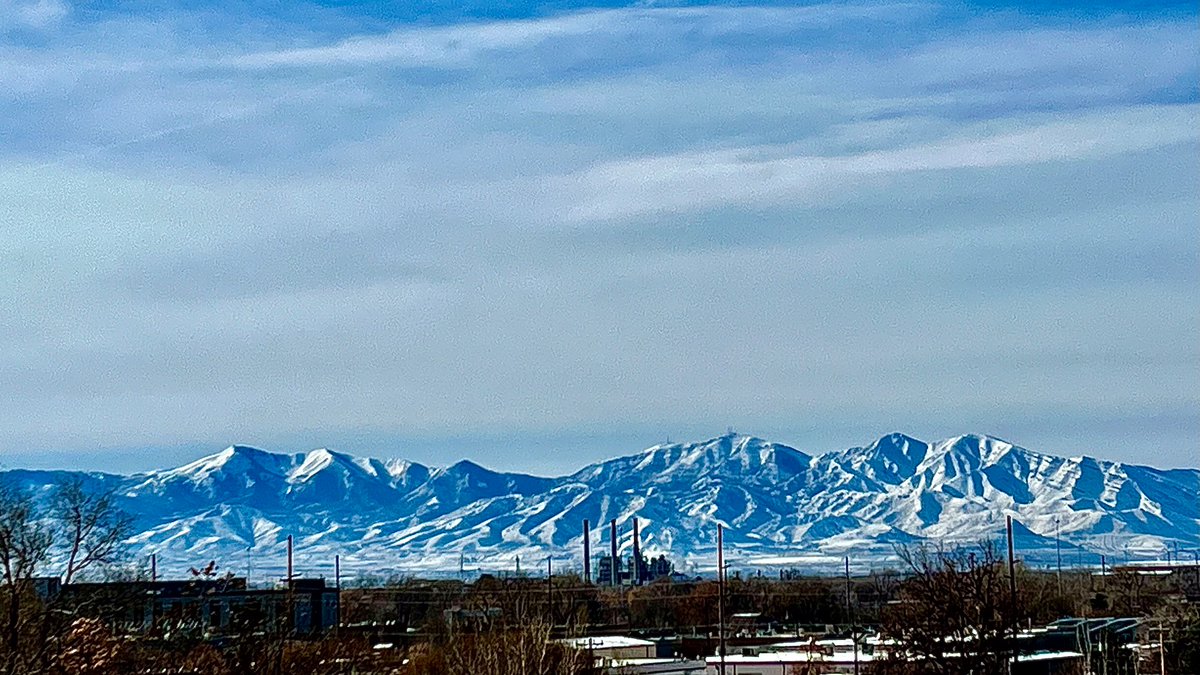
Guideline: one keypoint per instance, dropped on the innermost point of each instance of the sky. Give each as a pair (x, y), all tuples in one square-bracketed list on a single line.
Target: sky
[(536, 235)]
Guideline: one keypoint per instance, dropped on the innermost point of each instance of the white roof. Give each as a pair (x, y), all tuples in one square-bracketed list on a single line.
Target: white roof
[(845, 643), (1049, 656), (659, 666), (606, 642), (789, 657), (841, 658)]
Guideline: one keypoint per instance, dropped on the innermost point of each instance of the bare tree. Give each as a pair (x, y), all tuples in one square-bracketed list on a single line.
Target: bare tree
[(954, 610), (1177, 625), (520, 648), (88, 647), (92, 526), (24, 545)]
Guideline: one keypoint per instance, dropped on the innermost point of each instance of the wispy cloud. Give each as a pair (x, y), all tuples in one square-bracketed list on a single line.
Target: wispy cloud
[(442, 46), (691, 182), (459, 45)]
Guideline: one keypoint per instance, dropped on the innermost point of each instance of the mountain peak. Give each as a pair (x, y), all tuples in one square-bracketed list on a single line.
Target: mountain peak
[(313, 462), (248, 452), (986, 449), (233, 457), (896, 438), (245, 450), (730, 453), (729, 440), (466, 466), (889, 460), (977, 439)]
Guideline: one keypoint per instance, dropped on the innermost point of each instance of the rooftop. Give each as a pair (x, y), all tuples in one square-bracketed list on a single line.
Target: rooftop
[(606, 642)]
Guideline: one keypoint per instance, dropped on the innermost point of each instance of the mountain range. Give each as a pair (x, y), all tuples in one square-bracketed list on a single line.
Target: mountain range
[(779, 506)]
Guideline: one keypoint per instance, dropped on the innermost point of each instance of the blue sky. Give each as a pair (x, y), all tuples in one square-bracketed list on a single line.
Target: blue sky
[(540, 234)]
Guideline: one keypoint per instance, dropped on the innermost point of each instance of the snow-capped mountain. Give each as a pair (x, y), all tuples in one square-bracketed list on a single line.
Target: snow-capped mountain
[(778, 505)]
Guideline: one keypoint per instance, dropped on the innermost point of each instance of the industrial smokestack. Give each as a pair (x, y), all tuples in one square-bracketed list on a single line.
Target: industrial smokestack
[(616, 562), (635, 572), (587, 552)]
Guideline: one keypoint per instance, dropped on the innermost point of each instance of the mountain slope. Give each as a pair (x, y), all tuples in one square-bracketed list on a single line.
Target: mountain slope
[(777, 504)]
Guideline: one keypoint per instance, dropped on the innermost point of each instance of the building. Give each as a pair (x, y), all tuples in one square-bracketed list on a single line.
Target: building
[(623, 655), (655, 667), (606, 648), (784, 663), (207, 607), (1184, 573), (471, 618), (658, 568), (840, 661), (605, 574), (46, 587), (1063, 646), (637, 571)]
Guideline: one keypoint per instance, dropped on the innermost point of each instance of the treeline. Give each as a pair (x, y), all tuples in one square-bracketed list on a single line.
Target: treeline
[(942, 608), (763, 600), (566, 601)]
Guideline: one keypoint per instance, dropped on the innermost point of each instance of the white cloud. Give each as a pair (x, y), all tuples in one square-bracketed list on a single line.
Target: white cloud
[(36, 14)]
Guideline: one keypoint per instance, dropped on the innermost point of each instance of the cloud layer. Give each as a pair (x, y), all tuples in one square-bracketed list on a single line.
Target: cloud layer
[(468, 236)]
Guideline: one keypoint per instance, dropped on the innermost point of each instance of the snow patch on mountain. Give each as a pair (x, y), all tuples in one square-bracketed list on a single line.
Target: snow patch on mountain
[(776, 503)]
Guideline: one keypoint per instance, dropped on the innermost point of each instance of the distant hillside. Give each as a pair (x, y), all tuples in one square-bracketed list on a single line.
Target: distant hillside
[(780, 506)]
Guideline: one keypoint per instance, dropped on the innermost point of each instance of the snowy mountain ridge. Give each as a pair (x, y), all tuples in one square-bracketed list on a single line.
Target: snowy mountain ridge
[(778, 504)]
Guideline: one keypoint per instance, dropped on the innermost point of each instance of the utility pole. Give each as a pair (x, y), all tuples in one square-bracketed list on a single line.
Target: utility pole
[(587, 552), (1162, 651), (550, 589), (337, 584), (153, 591), (635, 574), (614, 568), (1087, 646), (1012, 592), (1058, 552), (721, 596), (850, 615), (291, 597)]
